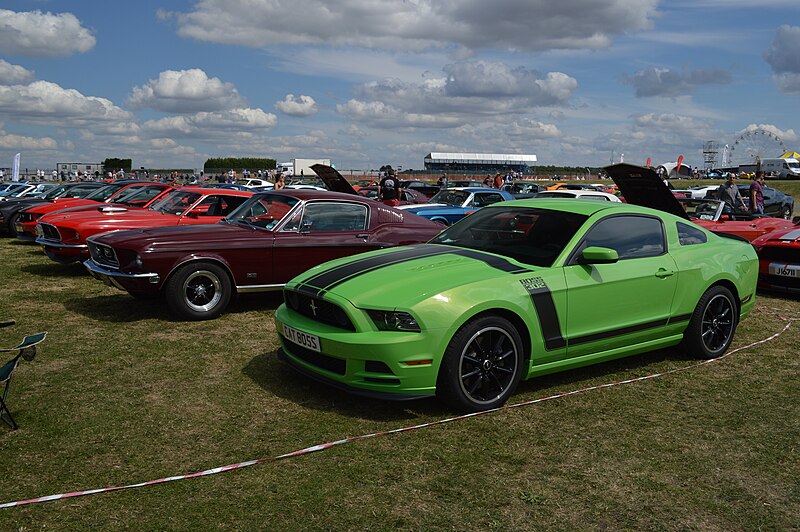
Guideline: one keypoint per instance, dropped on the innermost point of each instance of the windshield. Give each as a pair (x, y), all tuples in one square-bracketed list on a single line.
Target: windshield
[(699, 209), (103, 193), (263, 210), (14, 188), (56, 192), (528, 235), (176, 202), (450, 197)]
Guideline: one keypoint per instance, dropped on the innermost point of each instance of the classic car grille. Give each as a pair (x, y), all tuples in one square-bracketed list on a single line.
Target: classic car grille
[(50, 232), (318, 309), (103, 255), (781, 254), (334, 365)]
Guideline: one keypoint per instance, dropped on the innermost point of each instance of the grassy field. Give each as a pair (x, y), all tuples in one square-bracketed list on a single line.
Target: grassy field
[(122, 393)]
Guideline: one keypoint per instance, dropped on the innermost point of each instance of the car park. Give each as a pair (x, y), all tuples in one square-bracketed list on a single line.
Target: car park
[(63, 234), (776, 203), (514, 291), (11, 209), (410, 195), (451, 204)]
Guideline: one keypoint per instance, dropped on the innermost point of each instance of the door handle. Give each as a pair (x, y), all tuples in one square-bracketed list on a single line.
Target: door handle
[(362, 235), (662, 273)]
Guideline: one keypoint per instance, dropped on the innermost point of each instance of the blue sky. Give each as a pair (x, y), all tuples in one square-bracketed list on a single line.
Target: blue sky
[(576, 82)]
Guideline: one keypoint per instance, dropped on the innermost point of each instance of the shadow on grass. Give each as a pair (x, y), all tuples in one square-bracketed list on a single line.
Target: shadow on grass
[(276, 377), (55, 269)]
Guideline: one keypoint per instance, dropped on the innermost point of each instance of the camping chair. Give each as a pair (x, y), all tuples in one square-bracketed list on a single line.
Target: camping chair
[(25, 349)]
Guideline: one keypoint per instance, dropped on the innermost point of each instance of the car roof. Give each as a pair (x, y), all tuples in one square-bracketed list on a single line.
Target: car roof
[(309, 194), (216, 190), (577, 206)]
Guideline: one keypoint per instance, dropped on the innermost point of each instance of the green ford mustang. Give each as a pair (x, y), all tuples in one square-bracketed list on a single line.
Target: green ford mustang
[(515, 290)]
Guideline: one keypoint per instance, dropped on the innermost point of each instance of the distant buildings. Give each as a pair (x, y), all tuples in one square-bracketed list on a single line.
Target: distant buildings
[(479, 162)]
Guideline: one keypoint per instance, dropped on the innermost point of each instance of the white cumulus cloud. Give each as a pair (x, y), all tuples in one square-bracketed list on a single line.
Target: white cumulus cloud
[(300, 106), (204, 124), (185, 91), (12, 74), (38, 34), (784, 58), (416, 25)]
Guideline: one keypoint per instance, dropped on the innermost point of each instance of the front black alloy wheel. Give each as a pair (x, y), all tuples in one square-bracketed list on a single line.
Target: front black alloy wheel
[(713, 323), (481, 366)]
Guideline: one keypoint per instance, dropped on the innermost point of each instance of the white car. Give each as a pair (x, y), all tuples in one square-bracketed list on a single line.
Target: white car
[(699, 191), (578, 194)]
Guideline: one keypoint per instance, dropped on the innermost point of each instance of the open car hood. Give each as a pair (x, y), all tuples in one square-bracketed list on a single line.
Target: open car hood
[(642, 186), (333, 179)]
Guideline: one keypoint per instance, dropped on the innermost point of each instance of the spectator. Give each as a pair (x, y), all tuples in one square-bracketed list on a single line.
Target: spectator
[(280, 183), (757, 193), (389, 189), (498, 181), (729, 193)]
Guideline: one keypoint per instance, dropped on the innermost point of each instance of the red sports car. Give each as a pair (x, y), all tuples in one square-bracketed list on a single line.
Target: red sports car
[(63, 234), (779, 260), (642, 186), (130, 193), (269, 239)]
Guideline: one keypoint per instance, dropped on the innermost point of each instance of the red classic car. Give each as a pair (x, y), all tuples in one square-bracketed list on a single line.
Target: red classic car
[(269, 239), (63, 234), (779, 260), (642, 186), (130, 193)]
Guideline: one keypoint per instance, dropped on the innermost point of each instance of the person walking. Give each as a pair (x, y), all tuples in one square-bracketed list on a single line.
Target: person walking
[(729, 193), (757, 193)]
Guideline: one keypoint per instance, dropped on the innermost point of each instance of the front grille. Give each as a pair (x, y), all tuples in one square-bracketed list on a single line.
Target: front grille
[(103, 255), (334, 365), (318, 309), (781, 254), (778, 281), (50, 232)]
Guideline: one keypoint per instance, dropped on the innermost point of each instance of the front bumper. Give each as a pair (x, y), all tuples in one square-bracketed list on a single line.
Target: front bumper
[(376, 364), (63, 253), (132, 282)]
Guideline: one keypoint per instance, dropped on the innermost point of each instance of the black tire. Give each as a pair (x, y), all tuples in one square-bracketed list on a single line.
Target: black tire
[(12, 230), (787, 212), (482, 365), (198, 291), (713, 324), (440, 221)]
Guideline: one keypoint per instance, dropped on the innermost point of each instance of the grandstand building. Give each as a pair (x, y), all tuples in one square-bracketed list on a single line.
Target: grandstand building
[(479, 162)]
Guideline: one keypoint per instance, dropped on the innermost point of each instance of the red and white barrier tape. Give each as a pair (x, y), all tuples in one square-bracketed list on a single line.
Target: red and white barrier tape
[(324, 446)]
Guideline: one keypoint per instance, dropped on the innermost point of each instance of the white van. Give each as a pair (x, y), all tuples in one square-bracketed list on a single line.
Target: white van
[(782, 168)]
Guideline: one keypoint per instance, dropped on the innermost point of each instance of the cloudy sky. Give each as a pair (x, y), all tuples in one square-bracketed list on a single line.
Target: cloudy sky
[(369, 82)]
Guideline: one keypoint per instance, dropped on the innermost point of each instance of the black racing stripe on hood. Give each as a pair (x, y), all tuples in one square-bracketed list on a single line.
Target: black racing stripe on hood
[(329, 279)]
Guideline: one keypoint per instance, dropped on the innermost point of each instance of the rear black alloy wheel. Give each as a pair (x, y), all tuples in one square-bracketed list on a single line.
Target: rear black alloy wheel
[(713, 323), (482, 365), (198, 291), (12, 225)]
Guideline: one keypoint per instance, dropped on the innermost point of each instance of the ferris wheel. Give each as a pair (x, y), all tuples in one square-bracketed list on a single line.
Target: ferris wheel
[(755, 144)]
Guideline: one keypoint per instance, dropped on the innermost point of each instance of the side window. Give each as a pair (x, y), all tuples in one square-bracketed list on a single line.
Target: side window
[(329, 217), (632, 237), (688, 235), (482, 200)]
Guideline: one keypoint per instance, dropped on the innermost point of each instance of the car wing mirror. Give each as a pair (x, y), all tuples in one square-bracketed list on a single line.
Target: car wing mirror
[(194, 213), (305, 226), (598, 255)]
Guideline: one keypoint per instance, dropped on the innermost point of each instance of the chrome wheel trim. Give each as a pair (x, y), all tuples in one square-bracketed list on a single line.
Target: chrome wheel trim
[(716, 327), (202, 291)]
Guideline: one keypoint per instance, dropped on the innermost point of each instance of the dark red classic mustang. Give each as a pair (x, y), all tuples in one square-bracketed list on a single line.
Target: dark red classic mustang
[(269, 239)]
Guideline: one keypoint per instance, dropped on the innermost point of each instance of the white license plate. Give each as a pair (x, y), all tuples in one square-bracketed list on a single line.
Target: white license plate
[(18, 227), (784, 270), (309, 341)]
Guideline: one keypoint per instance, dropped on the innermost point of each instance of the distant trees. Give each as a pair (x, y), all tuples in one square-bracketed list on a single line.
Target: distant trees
[(113, 164), (238, 163)]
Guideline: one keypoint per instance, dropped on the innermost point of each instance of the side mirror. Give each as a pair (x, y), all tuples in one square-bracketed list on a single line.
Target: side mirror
[(598, 255), (194, 213), (305, 225)]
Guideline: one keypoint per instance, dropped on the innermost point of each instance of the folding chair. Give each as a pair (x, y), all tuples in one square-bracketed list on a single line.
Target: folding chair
[(25, 349)]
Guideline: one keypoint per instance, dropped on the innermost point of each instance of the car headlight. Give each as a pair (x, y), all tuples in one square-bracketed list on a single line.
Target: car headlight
[(388, 320)]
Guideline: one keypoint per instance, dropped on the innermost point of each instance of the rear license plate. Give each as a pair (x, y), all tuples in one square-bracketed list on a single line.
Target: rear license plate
[(309, 341), (18, 227), (784, 270)]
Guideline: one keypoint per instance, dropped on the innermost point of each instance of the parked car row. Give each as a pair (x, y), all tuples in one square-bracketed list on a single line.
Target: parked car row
[(461, 297)]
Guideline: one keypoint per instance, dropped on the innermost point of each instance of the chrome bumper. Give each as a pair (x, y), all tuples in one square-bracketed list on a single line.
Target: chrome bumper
[(59, 245), (110, 277)]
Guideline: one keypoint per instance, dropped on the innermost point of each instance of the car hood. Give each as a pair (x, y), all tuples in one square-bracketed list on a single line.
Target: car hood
[(374, 279), (333, 179), (109, 215), (642, 186), (789, 236), (217, 235)]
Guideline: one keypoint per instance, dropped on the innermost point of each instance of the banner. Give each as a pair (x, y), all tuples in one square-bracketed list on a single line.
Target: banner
[(15, 169)]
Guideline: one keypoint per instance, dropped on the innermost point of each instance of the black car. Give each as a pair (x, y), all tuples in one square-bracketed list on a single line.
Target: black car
[(776, 203), (11, 208)]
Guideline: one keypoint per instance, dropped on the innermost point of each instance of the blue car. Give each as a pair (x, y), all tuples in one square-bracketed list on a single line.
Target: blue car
[(450, 205)]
